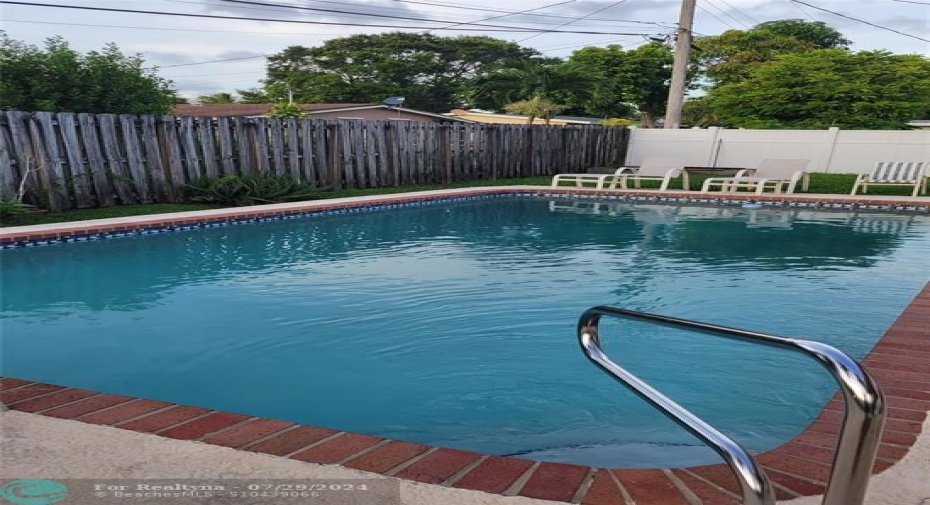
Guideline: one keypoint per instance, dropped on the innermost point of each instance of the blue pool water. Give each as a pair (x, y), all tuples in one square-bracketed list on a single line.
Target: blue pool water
[(453, 324)]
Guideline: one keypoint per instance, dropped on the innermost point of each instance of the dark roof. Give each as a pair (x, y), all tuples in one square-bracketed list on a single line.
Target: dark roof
[(592, 120), (252, 109)]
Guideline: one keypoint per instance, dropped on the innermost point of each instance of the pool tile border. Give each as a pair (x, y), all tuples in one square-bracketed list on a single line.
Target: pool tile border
[(797, 468), (31, 236)]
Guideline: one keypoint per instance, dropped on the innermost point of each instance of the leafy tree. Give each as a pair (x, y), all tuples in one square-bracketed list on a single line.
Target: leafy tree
[(533, 108), (696, 112), (616, 121), (827, 87), (429, 71), (58, 78), (817, 33), (529, 80), (253, 95), (221, 97), (732, 55), (630, 83), (287, 110)]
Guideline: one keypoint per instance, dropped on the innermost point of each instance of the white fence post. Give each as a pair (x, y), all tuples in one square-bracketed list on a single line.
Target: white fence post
[(713, 145), (834, 133)]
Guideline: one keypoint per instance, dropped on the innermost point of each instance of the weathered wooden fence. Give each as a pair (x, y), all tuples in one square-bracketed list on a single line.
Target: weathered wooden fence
[(67, 160)]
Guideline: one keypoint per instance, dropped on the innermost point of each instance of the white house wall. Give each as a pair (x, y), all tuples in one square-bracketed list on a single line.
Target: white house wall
[(831, 151)]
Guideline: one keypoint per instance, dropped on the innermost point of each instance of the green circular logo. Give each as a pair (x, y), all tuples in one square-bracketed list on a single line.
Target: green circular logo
[(33, 491)]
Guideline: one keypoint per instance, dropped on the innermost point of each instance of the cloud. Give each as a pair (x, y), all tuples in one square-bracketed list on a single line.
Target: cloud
[(238, 54), (165, 58), (329, 12)]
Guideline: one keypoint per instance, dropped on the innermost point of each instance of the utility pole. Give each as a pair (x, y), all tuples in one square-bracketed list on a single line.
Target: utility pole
[(676, 92)]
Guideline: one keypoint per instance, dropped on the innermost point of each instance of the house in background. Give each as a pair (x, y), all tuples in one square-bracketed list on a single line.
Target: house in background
[(483, 116), (359, 111)]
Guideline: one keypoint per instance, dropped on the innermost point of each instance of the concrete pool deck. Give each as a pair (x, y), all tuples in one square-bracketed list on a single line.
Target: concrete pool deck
[(34, 446), (900, 361)]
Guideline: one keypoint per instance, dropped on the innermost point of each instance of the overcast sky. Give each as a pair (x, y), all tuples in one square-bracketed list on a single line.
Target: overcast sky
[(180, 46)]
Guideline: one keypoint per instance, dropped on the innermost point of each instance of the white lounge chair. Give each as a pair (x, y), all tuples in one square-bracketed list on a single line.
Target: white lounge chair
[(896, 173), (587, 180), (772, 173), (652, 169)]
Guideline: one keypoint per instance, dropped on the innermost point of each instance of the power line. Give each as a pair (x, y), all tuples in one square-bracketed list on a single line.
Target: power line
[(711, 14), (572, 21), (356, 13), (160, 28), (211, 75), (288, 7), (216, 61), (725, 13), (471, 8), (802, 11), (371, 25), (505, 15), (745, 15), (861, 21), (911, 2)]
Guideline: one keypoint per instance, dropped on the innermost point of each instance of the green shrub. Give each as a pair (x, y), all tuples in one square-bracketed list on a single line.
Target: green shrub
[(10, 207), (252, 189)]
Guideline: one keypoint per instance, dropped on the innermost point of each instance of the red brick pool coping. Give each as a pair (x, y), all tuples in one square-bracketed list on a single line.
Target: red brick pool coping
[(115, 225), (900, 361)]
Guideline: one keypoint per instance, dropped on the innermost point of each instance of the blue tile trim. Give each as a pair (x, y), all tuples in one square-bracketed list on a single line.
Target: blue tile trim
[(703, 199), (250, 220)]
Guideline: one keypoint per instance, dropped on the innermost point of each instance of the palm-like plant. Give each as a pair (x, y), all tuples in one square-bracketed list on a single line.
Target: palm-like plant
[(528, 80)]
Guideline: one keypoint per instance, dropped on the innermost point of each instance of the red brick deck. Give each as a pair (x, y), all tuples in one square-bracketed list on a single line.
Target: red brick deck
[(900, 362)]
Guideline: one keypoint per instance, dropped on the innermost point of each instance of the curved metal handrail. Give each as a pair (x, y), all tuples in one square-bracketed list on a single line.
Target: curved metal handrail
[(862, 421)]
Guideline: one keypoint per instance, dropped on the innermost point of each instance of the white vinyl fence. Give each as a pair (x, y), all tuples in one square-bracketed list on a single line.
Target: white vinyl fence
[(831, 151)]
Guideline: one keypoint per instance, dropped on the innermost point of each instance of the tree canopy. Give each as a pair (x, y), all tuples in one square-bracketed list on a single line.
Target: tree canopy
[(431, 72), (59, 79), (732, 55), (827, 87), (629, 82), (222, 97)]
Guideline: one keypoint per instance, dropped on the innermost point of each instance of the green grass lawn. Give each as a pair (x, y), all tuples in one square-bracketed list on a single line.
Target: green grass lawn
[(837, 184), (162, 208), (820, 183)]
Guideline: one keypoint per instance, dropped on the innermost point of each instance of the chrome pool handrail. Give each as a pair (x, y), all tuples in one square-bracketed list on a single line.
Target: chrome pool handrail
[(862, 422)]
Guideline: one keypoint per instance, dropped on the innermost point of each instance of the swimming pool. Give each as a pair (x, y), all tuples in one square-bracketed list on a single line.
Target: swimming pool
[(453, 324)]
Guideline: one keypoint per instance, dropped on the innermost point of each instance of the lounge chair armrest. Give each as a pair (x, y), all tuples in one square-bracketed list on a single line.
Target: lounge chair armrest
[(626, 170)]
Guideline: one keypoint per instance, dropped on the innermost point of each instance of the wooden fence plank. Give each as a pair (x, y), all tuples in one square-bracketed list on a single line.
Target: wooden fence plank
[(307, 167), (133, 149), (392, 153), (96, 166), (207, 139), (56, 189), (189, 149), (153, 160), (323, 149), (9, 183), (171, 153), (245, 164), (122, 181), (358, 148), (292, 153), (224, 133), (276, 143), (258, 132), (78, 177)]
